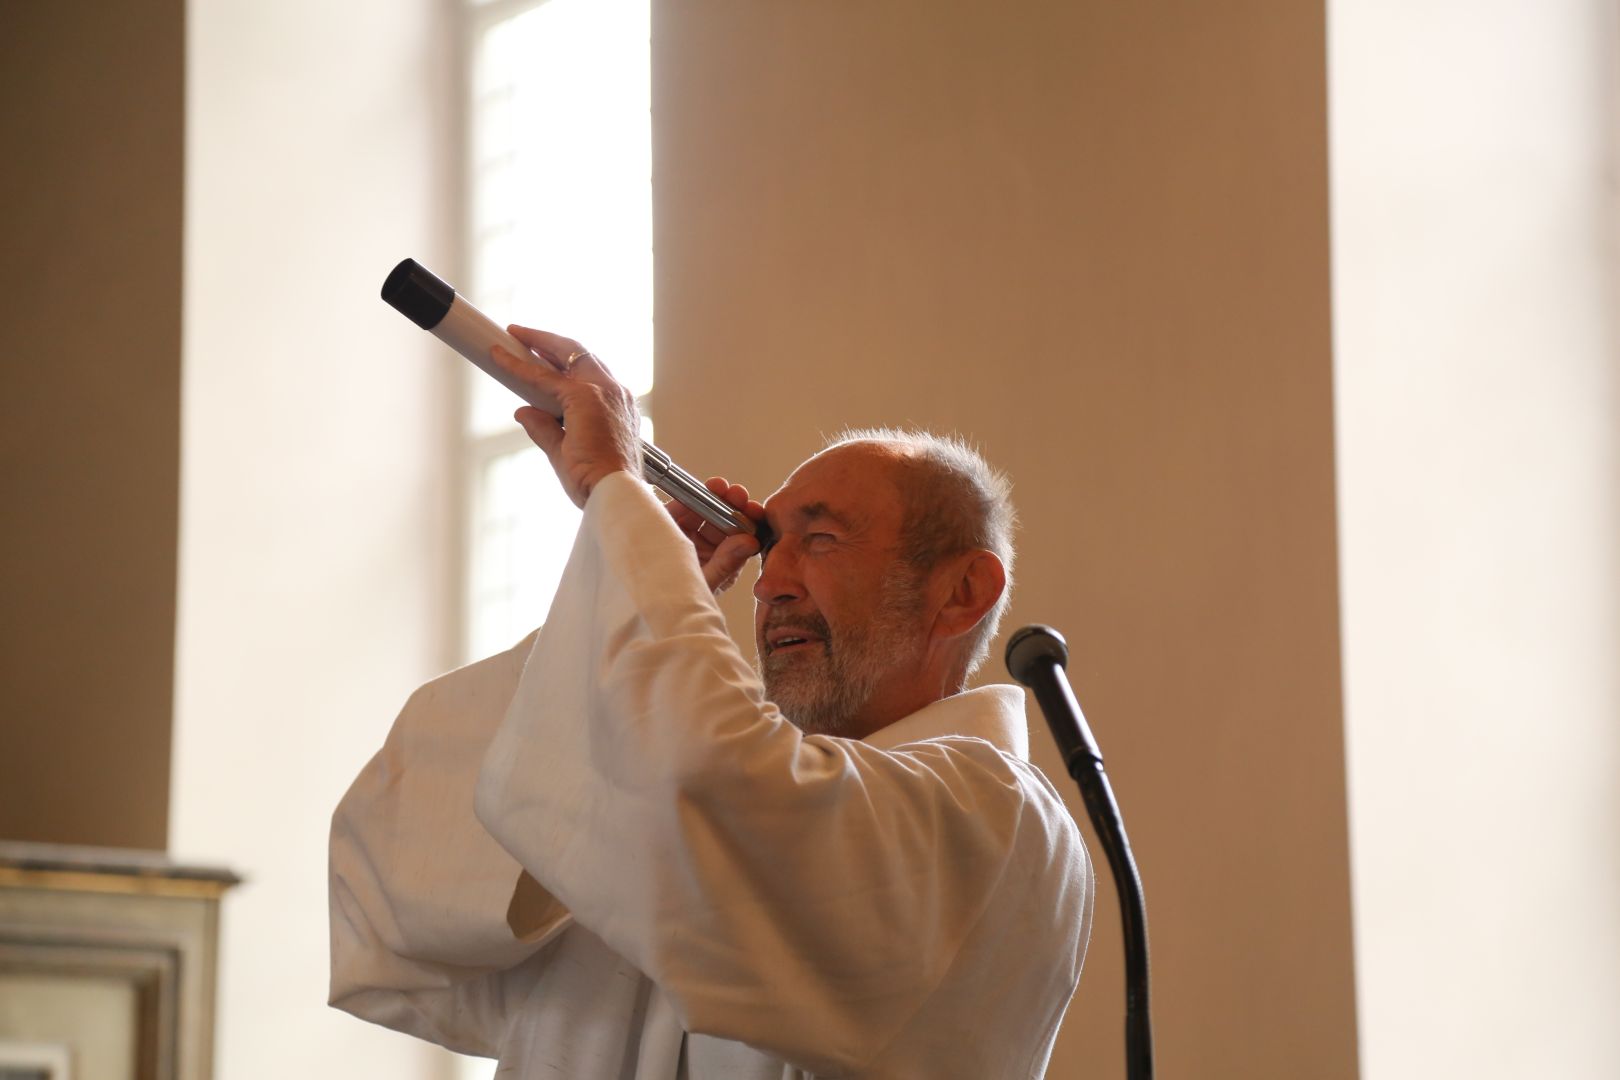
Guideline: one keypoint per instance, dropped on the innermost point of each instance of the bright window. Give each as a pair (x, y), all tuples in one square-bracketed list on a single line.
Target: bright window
[(559, 236)]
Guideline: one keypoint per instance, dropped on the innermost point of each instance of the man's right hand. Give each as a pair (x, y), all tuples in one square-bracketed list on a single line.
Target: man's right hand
[(721, 556)]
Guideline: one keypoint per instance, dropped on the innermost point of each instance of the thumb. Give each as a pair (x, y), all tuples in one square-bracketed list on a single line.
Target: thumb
[(728, 559), (542, 428)]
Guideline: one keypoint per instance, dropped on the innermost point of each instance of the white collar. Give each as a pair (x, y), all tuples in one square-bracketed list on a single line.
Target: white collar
[(992, 713)]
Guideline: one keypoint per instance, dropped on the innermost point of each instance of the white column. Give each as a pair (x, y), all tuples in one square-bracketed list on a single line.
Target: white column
[(1478, 398), (315, 576)]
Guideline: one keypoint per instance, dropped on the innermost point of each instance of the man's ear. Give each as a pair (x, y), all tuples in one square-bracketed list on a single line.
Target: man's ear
[(977, 580)]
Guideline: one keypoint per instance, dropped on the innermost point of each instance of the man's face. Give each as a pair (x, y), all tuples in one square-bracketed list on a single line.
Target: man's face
[(839, 620)]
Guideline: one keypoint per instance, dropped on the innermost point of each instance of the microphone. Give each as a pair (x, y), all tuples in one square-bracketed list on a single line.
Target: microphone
[(1037, 657), (431, 303)]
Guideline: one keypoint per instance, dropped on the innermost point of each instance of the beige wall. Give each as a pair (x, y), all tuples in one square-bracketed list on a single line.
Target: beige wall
[(90, 197), (1093, 237)]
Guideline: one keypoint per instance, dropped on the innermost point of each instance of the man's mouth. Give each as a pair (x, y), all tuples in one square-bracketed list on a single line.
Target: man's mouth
[(790, 639)]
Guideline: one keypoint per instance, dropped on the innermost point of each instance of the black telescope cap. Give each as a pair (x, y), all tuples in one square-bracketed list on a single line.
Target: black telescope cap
[(415, 292)]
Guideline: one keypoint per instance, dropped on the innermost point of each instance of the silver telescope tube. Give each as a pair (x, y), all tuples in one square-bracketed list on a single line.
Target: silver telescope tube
[(686, 489), (430, 302)]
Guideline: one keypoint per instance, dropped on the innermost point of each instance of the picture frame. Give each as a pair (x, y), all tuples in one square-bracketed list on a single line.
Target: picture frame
[(35, 1060)]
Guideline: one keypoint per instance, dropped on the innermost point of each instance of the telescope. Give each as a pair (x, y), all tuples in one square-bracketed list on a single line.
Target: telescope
[(431, 303)]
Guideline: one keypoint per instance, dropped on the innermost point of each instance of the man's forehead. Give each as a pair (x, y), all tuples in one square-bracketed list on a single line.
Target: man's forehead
[(854, 481)]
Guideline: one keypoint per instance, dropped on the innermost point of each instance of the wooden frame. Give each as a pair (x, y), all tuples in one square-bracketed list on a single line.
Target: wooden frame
[(133, 918)]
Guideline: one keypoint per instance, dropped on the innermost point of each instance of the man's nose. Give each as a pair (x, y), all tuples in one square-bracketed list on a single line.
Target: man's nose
[(778, 581)]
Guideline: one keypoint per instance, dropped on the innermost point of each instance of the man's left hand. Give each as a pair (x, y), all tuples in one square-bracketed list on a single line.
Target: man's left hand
[(600, 430), (720, 556)]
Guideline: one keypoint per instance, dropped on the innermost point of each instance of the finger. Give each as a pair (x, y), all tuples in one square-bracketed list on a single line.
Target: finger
[(535, 374), (728, 559), (557, 349), (686, 519), (542, 428), (735, 494), (691, 524), (588, 365), (553, 347)]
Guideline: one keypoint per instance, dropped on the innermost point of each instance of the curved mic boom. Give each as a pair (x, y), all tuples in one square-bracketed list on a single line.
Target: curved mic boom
[(1037, 657)]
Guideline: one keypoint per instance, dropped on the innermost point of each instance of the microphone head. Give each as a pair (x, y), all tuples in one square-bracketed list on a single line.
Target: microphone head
[(1030, 647)]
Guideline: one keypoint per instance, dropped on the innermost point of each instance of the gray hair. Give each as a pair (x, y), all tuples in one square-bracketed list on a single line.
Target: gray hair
[(955, 501)]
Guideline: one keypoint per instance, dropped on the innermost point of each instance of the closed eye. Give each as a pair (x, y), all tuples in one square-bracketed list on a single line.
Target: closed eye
[(813, 541)]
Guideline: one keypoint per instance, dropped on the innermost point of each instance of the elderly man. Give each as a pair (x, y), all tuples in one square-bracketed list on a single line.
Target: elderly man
[(618, 851)]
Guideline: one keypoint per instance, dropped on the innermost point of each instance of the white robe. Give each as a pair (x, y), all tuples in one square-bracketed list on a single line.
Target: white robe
[(665, 879)]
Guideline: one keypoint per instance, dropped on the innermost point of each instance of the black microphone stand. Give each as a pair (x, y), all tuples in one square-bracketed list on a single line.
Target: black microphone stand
[(1036, 657)]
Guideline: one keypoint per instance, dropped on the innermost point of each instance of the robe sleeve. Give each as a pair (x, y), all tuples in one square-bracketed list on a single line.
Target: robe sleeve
[(429, 916), (805, 895)]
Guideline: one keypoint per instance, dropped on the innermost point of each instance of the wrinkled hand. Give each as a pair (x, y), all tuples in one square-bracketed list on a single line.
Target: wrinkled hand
[(600, 430), (721, 556)]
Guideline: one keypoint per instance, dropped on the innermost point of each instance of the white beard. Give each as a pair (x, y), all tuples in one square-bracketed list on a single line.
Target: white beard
[(823, 687)]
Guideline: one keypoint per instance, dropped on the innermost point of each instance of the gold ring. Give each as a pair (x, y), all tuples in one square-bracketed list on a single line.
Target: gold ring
[(573, 358)]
